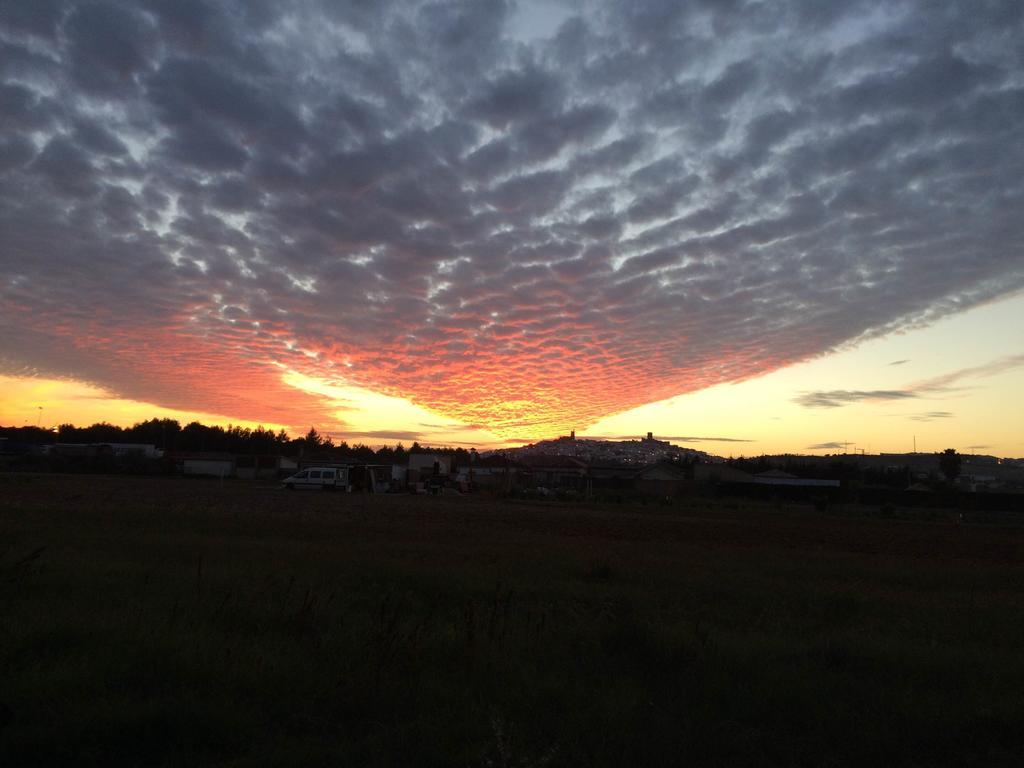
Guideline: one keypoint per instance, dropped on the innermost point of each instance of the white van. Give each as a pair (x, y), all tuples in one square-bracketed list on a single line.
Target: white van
[(319, 479)]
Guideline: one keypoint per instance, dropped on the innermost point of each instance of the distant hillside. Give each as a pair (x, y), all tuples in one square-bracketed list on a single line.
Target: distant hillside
[(641, 452)]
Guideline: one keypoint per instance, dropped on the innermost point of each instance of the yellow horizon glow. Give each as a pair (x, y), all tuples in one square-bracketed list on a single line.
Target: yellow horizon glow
[(68, 402), (986, 414), (376, 412)]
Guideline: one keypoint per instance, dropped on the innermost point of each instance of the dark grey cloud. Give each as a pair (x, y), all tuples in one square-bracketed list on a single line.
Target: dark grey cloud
[(383, 434), (108, 45), (936, 386), (39, 18), (516, 95), (674, 438), (991, 368), (830, 446), (451, 425), (692, 439), (836, 398), (527, 233), (931, 415)]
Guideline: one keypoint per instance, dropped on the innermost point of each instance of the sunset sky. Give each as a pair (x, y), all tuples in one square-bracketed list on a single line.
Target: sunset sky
[(745, 226)]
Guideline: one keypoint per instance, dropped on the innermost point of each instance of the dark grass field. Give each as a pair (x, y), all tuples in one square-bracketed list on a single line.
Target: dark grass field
[(171, 622)]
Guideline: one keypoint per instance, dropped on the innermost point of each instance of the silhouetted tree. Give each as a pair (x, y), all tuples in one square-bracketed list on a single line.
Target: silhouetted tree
[(168, 434), (101, 432), (162, 433), (751, 465), (363, 453), (199, 437), (313, 439), (949, 464)]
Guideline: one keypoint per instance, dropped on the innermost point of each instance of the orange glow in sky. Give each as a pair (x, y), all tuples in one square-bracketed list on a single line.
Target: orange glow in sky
[(971, 406)]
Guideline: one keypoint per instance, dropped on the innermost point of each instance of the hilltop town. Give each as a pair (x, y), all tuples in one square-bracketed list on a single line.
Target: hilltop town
[(647, 450)]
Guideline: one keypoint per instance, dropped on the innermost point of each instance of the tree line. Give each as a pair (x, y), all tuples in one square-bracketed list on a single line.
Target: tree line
[(850, 473), (194, 437)]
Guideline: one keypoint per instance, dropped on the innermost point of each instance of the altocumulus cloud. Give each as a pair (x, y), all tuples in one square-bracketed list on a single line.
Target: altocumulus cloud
[(522, 231)]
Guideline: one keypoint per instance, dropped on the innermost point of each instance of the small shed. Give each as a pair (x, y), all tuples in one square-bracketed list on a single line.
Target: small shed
[(424, 465), (778, 477), (206, 464), (264, 466)]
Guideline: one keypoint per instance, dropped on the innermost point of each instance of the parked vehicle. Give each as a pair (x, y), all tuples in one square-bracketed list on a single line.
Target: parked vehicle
[(319, 478)]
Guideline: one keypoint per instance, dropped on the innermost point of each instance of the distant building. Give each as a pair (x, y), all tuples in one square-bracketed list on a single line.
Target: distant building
[(778, 477), (120, 450), (429, 464), (264, 466), (555, 471), (720, 473), (664, 479), (205, 464), (495, 465), (612, 471), (10, 447), (399, 474), (493, 473)]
